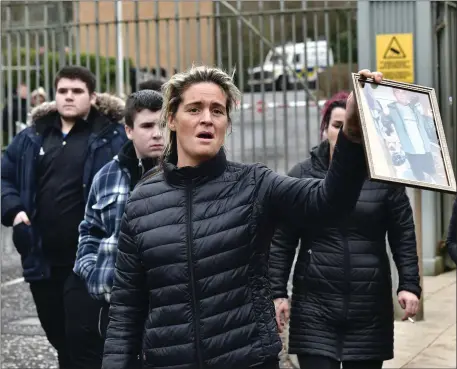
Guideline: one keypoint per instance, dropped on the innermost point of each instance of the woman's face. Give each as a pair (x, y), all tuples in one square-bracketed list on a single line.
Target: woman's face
[(37, 100), (335, 123), (200, 123)]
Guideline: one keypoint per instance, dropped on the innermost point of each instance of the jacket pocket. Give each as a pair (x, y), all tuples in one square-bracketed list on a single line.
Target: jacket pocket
[(105, 201), (107, 206), (22, 238), (308, 256), (302, 269)]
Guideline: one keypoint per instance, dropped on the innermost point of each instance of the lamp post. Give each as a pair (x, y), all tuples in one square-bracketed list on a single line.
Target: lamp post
[(119, 50)]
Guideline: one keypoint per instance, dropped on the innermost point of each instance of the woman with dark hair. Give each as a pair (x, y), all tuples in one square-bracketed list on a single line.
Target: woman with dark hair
[(191, 287), (342, 307)]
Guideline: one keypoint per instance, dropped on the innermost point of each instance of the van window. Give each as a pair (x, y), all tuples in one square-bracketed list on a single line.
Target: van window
[(276, 59)]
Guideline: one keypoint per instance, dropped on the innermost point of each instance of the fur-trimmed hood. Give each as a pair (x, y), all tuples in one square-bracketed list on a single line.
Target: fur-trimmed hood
[(109, 105)]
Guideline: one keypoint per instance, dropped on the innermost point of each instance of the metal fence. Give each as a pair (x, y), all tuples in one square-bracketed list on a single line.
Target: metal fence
[(445, 83), (445, 75), (286, 56)]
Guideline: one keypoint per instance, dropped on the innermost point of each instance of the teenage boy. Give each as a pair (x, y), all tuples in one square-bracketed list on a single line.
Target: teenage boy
[(99, 231)]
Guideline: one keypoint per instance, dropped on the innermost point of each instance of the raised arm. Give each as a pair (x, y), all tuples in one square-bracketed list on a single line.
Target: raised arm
[(451, 241), (296, 201), (402, 241), (129, 305), (11, 200)]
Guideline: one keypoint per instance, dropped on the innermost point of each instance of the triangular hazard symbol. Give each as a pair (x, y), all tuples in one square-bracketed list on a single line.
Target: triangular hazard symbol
[(394, 50)]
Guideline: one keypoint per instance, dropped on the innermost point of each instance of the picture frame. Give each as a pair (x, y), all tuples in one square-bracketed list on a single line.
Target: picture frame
[(403, 134)]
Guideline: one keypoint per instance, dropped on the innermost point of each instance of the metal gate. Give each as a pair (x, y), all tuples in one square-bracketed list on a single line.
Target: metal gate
[(445, 14), (262, 43), (445, 77)]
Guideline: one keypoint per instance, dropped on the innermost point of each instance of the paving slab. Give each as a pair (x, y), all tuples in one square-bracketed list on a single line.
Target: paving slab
[(439, 354), (430, 343)]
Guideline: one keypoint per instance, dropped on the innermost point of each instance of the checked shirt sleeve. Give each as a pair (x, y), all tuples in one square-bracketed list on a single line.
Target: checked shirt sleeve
[(97, 249)]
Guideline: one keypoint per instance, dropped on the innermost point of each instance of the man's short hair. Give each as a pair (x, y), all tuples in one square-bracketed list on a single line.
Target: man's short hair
[(140, 100), (151, 84), (77, 72)]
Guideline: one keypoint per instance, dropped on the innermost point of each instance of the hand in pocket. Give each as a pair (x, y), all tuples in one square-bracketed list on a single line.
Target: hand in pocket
[(22, 238), (21, 217)]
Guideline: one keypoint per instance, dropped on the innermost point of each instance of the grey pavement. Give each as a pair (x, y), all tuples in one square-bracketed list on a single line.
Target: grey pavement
[(430, 343), (23, 342)]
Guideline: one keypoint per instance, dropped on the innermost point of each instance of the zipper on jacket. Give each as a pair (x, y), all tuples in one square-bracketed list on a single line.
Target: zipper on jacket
[(195, 307), (150, 173), (140, 165)]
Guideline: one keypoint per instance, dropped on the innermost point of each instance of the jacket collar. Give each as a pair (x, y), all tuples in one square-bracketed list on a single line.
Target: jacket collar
[(200, 174), (136, 167), (105, 110), (320, 159)]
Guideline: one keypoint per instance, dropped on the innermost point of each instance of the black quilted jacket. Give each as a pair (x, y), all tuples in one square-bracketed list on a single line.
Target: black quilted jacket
[(341, 303), (191, 285)]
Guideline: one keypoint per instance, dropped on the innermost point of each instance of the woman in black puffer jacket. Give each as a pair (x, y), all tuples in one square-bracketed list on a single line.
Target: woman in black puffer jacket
[(342, 307), (191, 287)]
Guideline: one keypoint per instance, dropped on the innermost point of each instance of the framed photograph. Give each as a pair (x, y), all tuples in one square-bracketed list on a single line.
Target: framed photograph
[(403, 135)]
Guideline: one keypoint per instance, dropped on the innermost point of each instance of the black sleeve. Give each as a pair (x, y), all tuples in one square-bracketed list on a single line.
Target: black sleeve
[(295, 200), (402, 241), (283, 247), (282, 252), (128, 305), (451, 240)]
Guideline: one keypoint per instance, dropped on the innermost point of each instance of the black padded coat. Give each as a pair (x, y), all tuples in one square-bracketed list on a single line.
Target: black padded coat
[(191, 286), (342, 291)]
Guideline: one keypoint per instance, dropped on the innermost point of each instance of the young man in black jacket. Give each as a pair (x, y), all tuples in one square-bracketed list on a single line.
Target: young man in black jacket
[(46, 175)]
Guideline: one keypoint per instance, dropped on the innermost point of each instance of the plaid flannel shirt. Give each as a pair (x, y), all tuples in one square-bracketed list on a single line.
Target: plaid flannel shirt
[(99, 231)]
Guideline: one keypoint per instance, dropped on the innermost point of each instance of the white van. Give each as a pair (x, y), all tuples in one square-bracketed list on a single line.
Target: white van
[(318, 54)]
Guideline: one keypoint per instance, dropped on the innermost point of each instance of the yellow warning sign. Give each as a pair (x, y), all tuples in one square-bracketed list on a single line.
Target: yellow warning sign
[(394, 50), (395, 56)]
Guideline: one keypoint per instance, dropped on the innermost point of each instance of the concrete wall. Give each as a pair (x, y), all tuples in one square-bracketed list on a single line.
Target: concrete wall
[(167, 32)]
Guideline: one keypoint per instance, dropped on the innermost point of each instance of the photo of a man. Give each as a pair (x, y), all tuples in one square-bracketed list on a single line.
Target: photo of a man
[(404, 122), (411, 128)]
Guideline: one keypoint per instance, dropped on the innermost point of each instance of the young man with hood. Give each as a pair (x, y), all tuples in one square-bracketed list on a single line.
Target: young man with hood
[(46, 174), (99, 231)]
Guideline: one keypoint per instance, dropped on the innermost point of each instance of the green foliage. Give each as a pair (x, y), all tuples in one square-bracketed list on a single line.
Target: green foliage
[(38, 65), (340, 42)]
